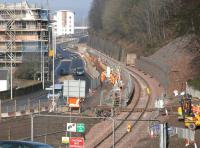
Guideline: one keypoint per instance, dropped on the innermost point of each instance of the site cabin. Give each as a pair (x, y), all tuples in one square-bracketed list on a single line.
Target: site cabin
[(130, 59), (4, 80), (58, 89)]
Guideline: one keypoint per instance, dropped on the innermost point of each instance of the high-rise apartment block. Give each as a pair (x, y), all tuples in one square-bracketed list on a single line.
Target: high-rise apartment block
[(64, 22)]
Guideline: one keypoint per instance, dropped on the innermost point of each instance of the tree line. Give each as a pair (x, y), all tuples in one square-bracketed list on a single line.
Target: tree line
[(147, 23)]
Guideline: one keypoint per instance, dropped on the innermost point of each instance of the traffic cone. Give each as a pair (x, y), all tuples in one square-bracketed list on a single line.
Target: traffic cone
[(187, 142), (151, 134)]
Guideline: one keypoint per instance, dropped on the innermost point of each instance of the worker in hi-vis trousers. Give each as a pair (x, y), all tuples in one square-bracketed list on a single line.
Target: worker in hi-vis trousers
[(129, 127)]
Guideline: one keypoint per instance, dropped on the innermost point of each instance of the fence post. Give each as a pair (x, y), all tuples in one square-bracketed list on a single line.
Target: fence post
[(101, 97), (39, 107), (113, 132), (15, 107), (0, 109), (32, 127), (29, 105), (163, 135), (91, 83), (9, 133), (45, 137)]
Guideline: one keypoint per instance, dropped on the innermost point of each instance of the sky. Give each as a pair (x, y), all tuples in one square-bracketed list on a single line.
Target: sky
[(80, 7)]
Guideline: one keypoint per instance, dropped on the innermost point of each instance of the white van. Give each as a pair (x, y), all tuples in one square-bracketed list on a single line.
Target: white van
[(58, 89)]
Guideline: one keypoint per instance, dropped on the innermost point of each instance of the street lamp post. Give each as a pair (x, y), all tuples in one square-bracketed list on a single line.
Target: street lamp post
[(0, 109), (43, 70), (11, 75), (113, 120), (41, 59), (53, 101), (32, 116)]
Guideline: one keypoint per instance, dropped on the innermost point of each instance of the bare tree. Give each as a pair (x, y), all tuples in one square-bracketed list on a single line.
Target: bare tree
[(30, 66)]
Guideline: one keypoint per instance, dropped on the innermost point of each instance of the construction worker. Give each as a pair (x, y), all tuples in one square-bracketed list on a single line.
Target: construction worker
[(129, 127), (148, 91)]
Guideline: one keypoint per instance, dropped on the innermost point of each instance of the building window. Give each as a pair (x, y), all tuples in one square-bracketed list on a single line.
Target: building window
[(23, 24)]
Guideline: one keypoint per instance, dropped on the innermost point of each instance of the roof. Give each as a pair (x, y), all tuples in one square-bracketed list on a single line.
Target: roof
[(20, 6), (66, 11), (3, 74), (57, 86)]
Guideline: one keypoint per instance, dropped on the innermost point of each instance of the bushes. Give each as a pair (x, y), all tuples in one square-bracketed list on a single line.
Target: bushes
[(195, 83)]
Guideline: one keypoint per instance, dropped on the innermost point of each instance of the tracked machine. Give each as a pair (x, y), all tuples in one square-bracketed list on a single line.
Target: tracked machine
[(189, 112)]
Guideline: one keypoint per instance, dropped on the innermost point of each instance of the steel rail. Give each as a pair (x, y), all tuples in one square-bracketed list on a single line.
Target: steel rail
[(129, 114), (132, 111)]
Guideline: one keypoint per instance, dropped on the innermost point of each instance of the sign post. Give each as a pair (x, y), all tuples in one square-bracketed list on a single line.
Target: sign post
[(0, 109), (80, 127), (71, 127), (76, 142), (65, 140)]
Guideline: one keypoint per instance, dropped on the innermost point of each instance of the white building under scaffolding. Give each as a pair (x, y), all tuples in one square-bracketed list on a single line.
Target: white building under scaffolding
[(24, 33)]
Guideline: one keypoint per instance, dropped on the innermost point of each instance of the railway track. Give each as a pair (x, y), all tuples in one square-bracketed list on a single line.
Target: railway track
[(141, 101)]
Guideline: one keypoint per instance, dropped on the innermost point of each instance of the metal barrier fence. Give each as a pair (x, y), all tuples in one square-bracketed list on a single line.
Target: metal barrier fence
[(94, 83), (51, 128), (21, 91), (59, 128), (13, 108), (117, 53), (94, 76), (126, 78), (108, 48), (24, 104)]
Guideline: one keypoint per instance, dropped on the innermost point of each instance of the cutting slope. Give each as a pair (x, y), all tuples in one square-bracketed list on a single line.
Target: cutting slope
[(174, 63)]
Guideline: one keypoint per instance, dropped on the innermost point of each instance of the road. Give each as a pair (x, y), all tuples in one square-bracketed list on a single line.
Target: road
[(32, 100), (76, 61)]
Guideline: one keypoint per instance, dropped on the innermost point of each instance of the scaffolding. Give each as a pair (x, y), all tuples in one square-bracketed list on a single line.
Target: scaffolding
[(23, 29), (11, 43)]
